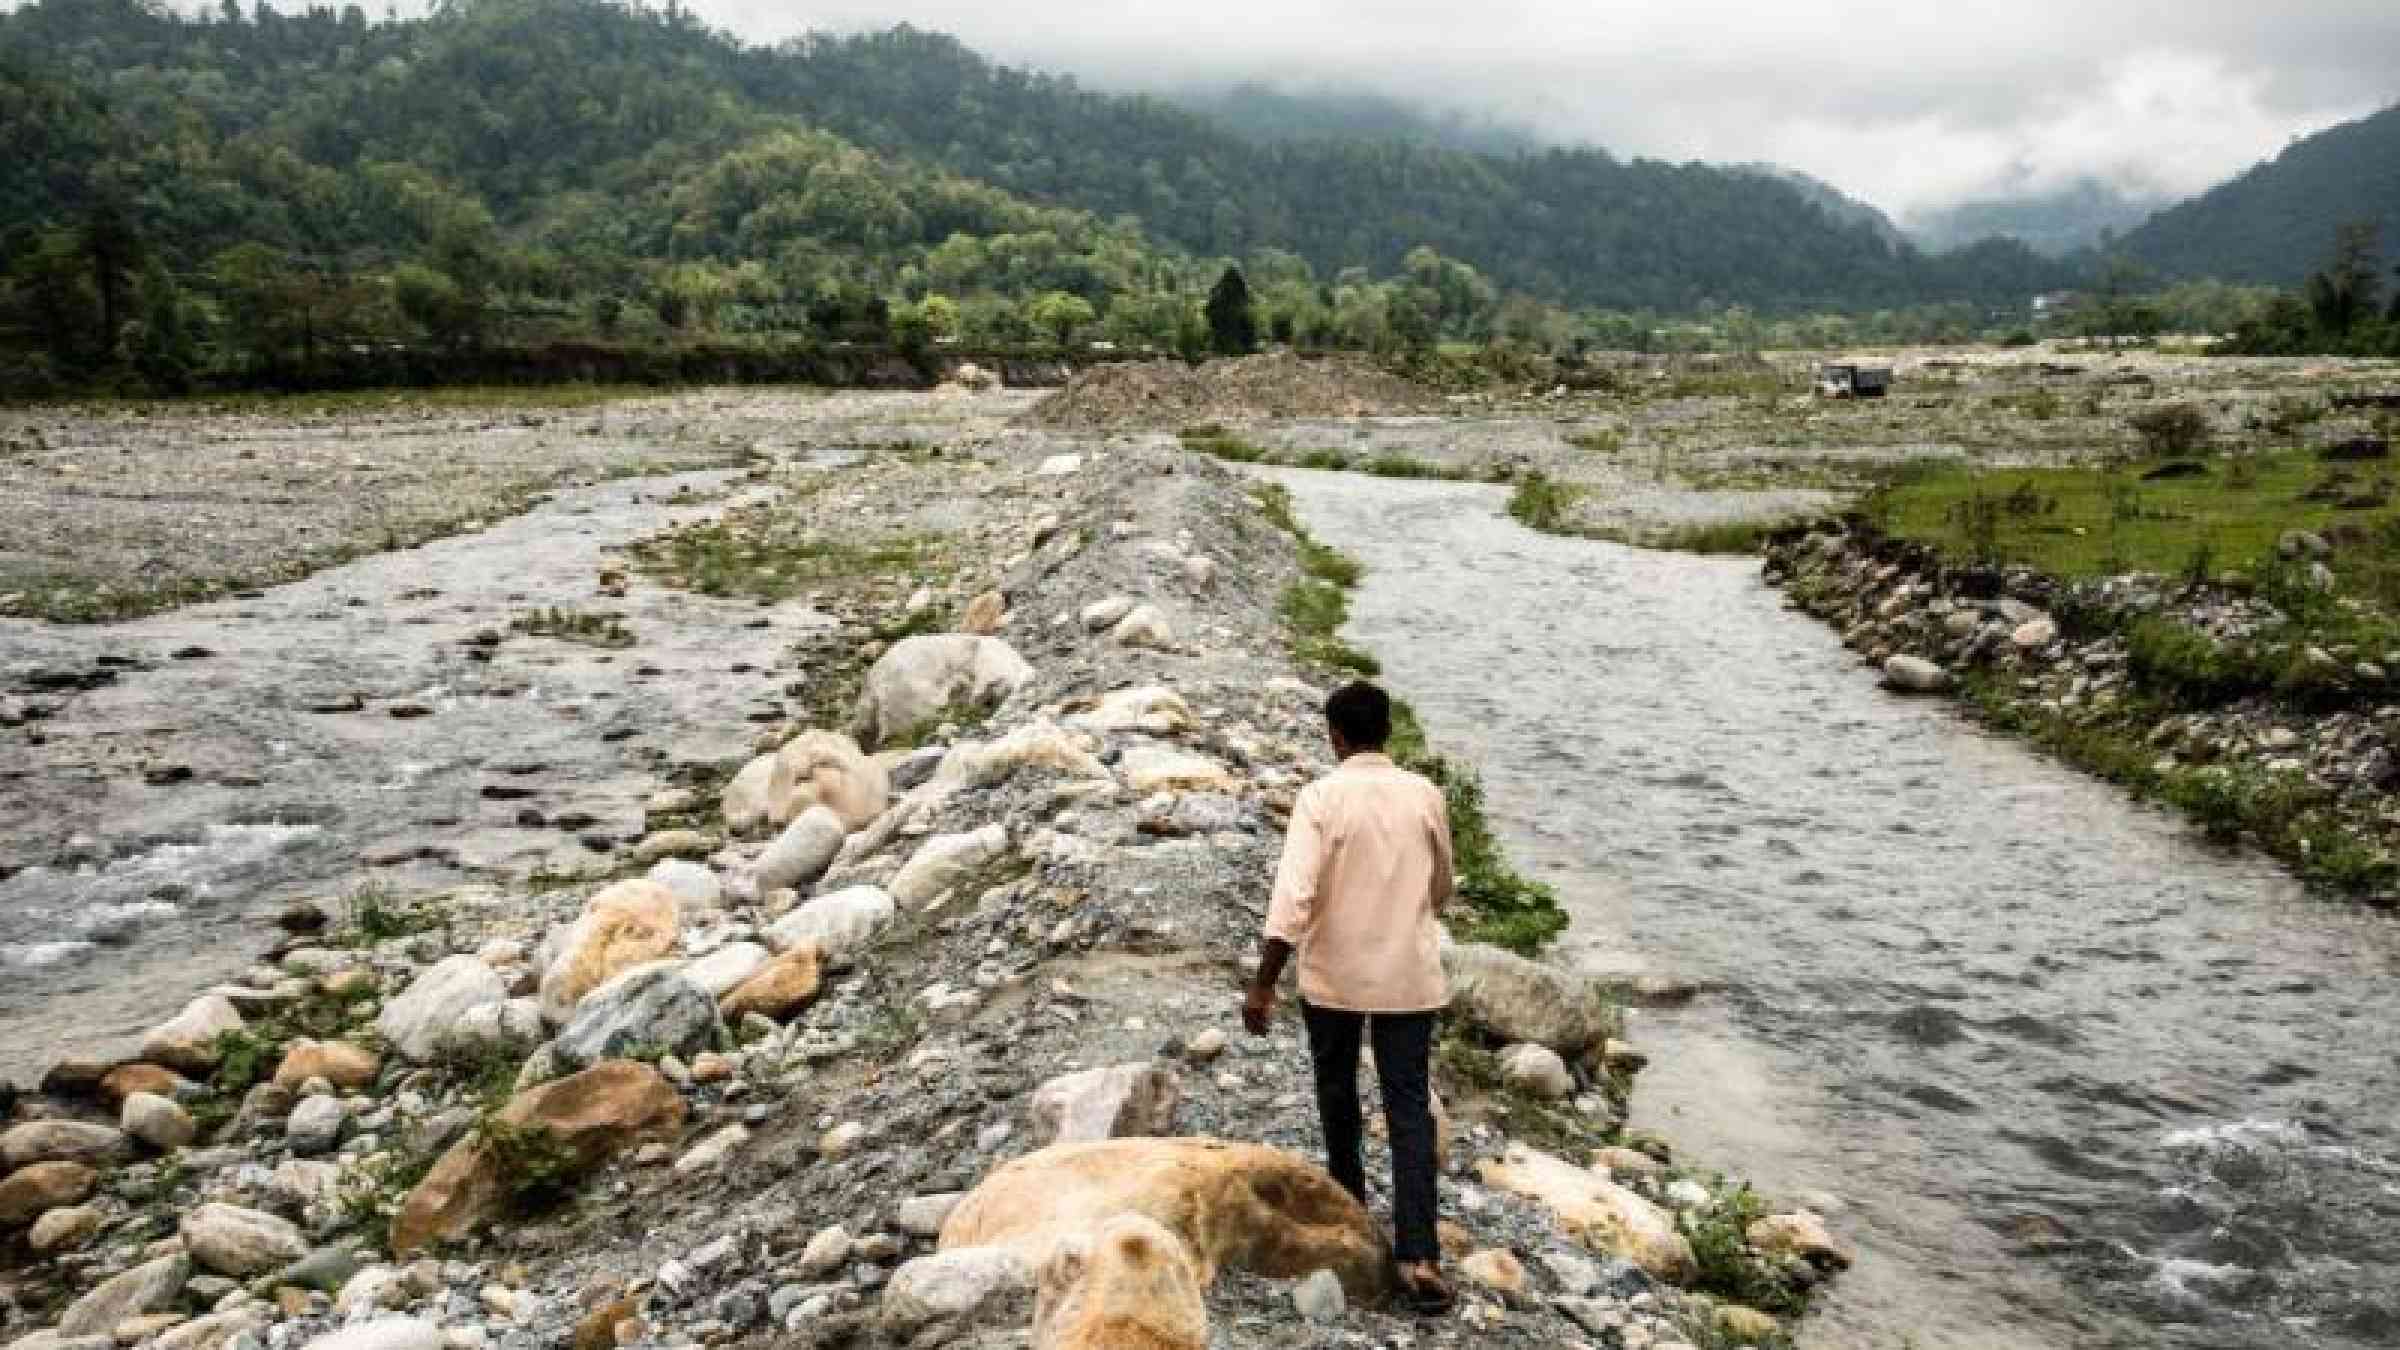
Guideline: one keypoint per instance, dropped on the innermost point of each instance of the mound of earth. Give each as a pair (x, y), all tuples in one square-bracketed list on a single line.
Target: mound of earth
[(1172, 394)]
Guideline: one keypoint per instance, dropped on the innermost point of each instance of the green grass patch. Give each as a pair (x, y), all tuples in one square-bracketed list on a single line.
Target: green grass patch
[(765, 556), (592, 629), (1543, 503), (1716, 537), (2087, 522)]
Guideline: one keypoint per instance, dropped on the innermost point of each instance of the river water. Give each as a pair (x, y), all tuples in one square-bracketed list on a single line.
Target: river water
[(347, 731), (2065, 1076)]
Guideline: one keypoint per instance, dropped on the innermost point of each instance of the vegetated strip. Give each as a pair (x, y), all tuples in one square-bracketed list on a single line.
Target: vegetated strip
[(1502, 906), (2244, 678)]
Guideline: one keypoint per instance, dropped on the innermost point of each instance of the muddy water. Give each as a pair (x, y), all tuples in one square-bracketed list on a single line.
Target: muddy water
[(231, 758), (2070, 1078)]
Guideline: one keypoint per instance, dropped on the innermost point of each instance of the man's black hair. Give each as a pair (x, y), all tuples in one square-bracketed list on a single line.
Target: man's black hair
[(1362, 714)]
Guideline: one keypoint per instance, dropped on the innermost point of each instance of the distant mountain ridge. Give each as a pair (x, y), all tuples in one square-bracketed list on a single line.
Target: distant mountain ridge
[(2274, 224), (1269, 114), (2054, 223)]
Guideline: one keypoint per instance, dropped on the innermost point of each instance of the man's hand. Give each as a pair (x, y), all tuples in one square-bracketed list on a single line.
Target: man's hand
[(1258, 1006)]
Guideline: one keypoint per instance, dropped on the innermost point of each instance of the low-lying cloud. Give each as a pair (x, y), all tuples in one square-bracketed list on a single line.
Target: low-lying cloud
[(1907, 106)]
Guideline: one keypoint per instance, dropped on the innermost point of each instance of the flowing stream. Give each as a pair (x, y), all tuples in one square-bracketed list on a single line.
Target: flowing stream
[(2065, 1076), (376, 725)]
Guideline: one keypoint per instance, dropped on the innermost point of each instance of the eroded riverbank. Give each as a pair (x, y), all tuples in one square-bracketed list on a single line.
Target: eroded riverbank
[(2077, 1078)]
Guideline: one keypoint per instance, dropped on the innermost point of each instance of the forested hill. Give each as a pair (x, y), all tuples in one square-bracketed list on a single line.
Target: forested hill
[(1573, 226), (598, 135), (2275, 224), (1266, 113)]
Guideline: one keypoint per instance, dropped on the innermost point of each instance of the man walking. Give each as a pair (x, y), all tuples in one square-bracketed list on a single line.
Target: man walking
[(1366, 870)]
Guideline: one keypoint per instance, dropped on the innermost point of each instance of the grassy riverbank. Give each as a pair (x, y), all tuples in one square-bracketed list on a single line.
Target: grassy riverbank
[(1504, 907)]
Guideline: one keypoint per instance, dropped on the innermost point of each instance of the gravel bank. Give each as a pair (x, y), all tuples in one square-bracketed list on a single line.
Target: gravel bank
[(1054, 863)]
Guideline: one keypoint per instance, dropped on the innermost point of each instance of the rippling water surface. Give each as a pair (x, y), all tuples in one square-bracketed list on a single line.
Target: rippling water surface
[(2073, 1078), (149, 827)]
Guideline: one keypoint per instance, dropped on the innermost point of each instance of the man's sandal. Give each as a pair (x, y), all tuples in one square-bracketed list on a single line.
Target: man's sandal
[(1427, 1297)]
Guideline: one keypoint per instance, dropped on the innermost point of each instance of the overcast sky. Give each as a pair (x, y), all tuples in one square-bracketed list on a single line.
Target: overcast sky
[(1904, 104)]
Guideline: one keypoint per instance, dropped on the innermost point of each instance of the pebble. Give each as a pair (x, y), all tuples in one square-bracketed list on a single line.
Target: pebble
[(1319, 1297)]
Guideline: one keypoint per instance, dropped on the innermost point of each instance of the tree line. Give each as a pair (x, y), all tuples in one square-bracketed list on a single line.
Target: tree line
[(252, 196)]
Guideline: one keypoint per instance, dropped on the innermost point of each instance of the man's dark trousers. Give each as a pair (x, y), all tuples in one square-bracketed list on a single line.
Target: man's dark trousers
[(1403, 1063)]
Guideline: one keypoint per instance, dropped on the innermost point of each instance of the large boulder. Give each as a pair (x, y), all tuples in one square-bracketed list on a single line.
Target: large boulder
[(148, 1288), (1513, 999), (417, 1023), (783, 986), (836, 925), (582, 1120), (629, 924), (1120, 1102), (828, 769), (75, 1141), (648, 1008), (30, 1192), (240, 1243), (945, 860), (1243, 1206), (1129, 1283), (1596, 1211), (187, 1042), (921, 679), (803, 851)]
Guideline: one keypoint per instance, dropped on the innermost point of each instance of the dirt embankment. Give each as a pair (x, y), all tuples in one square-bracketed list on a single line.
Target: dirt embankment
[(1170, 395)]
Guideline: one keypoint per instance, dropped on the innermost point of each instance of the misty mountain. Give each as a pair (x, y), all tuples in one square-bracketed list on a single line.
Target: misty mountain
[(1834, 202), (1268, 114), (588, 128), (2054, 223), (2275, 224)]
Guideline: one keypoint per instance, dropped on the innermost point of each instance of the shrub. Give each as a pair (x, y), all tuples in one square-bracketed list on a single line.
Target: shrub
[(2177, 430), (2186, 667), (1542, 503)]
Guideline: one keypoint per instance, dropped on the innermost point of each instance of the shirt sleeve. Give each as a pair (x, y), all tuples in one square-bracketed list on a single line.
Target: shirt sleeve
[(1445, 865), (1299, 876)]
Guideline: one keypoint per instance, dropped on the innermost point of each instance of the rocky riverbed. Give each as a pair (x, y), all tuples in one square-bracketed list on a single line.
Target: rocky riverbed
[(880, 1031)]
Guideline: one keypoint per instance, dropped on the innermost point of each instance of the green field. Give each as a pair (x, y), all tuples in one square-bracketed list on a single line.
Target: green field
[(2085, 522)]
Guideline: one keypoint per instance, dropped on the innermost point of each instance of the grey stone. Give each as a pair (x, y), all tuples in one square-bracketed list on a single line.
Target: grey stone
[(803, 851), (148, 1288), (240, 1243), (921, 678), (383, 1333), (650, 1007), (839, 924), (1121, 1101), (315, 1126), (417, 1023), (1319, 1297), (951, 1285)]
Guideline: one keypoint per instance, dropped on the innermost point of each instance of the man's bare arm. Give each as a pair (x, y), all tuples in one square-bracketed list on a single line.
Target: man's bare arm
[(1273, 954)]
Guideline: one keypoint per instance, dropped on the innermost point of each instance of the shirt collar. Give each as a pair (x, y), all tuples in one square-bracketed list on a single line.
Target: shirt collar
[(1368, 759)]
